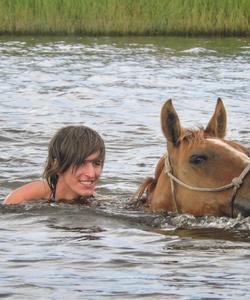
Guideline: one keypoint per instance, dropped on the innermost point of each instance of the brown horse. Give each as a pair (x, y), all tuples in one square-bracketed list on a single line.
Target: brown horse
[(202, 173)]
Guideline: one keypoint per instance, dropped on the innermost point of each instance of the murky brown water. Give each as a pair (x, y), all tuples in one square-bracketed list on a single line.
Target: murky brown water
[(117, 86)]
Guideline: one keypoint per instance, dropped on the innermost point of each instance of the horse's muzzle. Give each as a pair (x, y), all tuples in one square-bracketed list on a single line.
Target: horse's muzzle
[(243, 207)]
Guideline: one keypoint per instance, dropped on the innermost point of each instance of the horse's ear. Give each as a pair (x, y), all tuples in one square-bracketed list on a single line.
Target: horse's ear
[(170, 123), (217, 126)]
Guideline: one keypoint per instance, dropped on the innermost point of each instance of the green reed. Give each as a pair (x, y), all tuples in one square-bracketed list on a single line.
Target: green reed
[(123, 17)]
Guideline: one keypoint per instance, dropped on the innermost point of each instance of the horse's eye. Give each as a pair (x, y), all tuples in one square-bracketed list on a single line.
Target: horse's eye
[(198, 159)]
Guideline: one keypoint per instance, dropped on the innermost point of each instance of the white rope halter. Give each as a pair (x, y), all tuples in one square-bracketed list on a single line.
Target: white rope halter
[(235, 184)]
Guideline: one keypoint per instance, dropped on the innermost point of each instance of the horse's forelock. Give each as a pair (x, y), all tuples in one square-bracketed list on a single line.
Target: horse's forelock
[(192, 136)]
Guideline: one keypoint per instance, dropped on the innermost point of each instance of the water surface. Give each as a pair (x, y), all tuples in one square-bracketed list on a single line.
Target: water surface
[(117, 86)]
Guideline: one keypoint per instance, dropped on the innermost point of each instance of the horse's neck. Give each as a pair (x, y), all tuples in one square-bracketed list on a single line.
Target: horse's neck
[(161, 198), (239, 147), (159, 167)]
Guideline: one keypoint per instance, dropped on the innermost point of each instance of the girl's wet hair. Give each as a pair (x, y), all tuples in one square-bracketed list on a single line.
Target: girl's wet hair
[(70, 146)]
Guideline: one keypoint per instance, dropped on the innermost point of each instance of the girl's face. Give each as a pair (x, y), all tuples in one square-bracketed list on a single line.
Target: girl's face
[(81, 180)]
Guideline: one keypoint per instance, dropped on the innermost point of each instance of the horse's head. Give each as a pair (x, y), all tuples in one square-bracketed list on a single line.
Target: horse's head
[(203, 174)]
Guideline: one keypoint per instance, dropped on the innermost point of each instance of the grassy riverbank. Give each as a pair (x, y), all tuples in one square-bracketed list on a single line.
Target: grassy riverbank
[(123, 17)]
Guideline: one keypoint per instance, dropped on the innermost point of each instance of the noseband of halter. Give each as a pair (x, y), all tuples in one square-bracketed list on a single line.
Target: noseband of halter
[(235, 184)]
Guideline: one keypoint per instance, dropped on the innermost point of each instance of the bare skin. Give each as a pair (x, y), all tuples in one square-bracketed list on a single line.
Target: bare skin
[(75, 182)]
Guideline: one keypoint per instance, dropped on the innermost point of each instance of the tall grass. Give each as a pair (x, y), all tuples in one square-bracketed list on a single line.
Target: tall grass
[(122, 17)]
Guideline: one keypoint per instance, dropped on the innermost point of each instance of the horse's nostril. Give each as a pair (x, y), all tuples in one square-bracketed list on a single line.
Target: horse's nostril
[(243, 209)]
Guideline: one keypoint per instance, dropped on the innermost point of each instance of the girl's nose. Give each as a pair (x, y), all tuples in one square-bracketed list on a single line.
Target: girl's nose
[(89, 169)]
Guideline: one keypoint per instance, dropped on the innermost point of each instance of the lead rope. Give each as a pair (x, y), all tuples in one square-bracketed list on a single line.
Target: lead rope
[(236, 183)]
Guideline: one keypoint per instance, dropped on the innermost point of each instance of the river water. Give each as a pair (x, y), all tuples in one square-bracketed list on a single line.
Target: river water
[(117, 86)]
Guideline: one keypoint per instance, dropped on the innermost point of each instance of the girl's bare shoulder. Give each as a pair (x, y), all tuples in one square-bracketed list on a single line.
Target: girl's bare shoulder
[(35, 190)]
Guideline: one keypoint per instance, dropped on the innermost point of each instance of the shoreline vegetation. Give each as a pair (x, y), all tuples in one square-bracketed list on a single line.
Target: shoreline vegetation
[(125, 17)]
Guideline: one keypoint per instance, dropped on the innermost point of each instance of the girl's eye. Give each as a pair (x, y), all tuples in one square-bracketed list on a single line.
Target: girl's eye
[(198, 159), (97, 162)]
